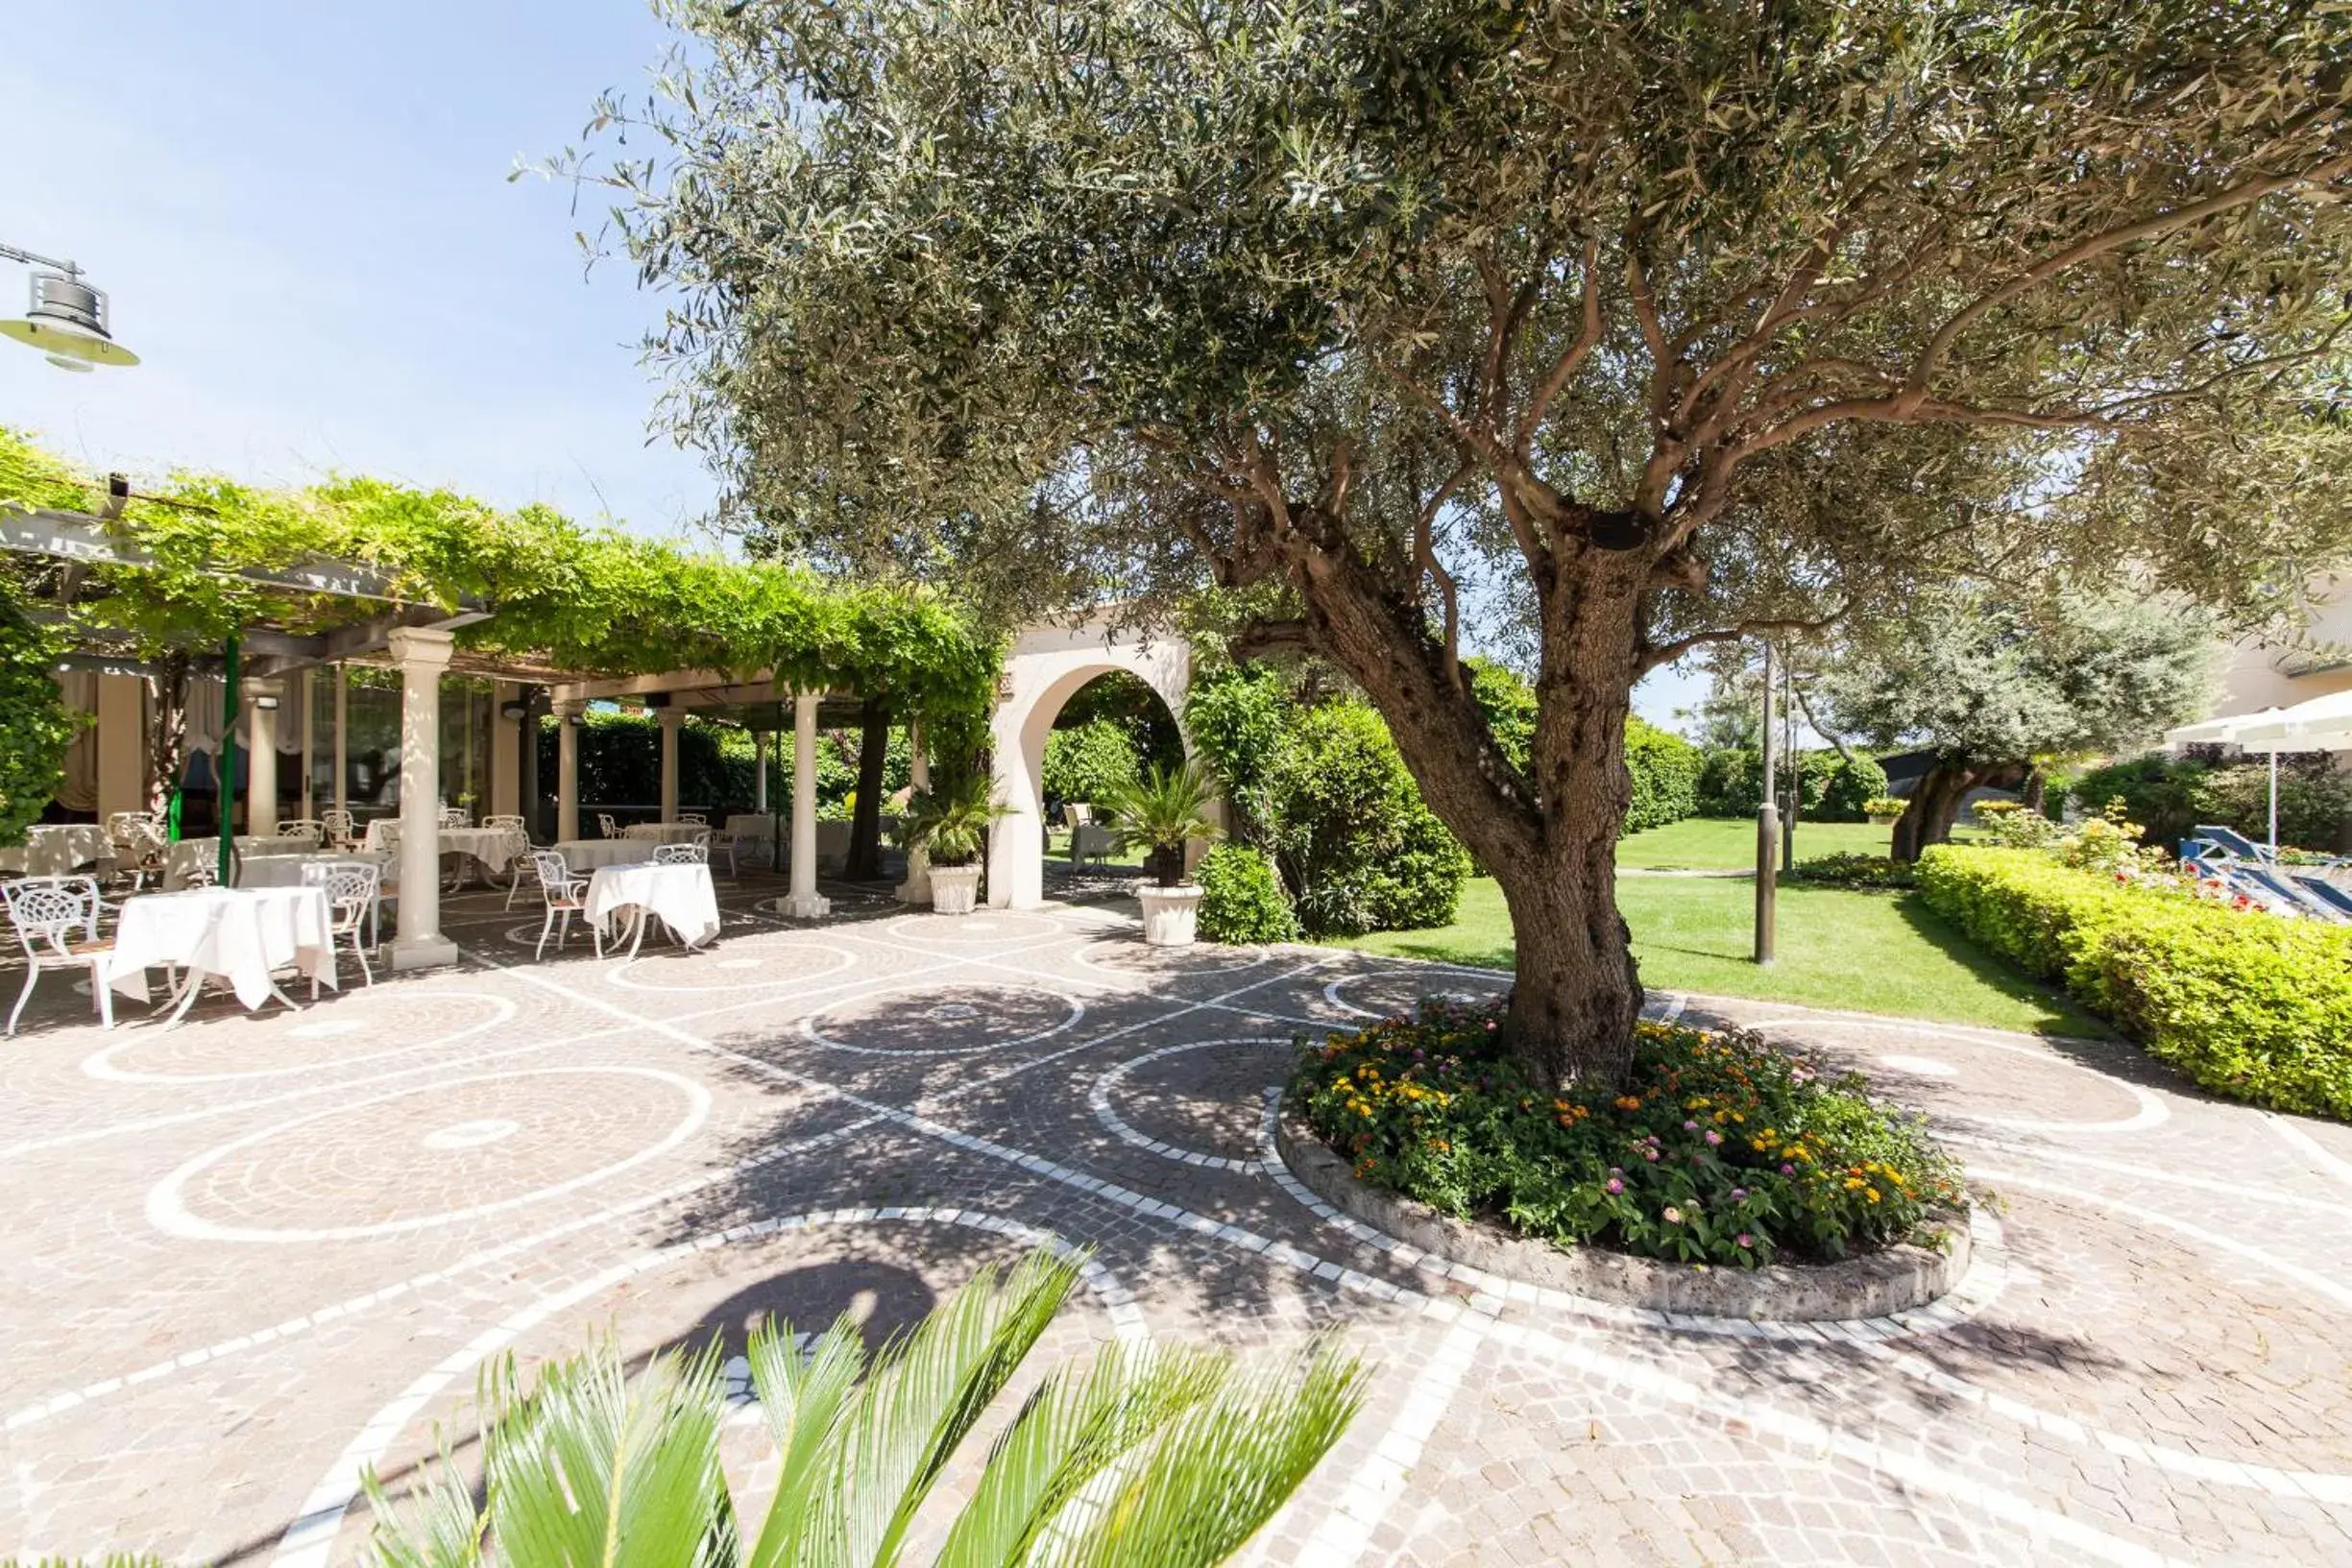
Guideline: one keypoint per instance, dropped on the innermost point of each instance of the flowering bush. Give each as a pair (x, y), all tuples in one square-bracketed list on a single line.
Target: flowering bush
[(1717, 1148)]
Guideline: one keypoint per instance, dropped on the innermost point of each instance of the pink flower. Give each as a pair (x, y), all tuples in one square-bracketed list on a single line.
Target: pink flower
[(1674, 1215), (1739, 1194), (1615, 1186), (1746, 1239), (1713, 1137), (1789, 1171), (1650, 1154), (1690, 1126)]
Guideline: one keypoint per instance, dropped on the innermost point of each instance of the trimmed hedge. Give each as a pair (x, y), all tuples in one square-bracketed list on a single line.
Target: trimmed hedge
[(1665, 773), (1731, 784), (1242, 898), (2244, 1002)]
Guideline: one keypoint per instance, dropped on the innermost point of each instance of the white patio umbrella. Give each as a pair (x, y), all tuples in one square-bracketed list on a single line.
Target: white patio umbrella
[(2322, 724)]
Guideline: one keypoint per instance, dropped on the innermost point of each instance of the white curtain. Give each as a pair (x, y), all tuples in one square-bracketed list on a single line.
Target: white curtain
[(206, 697)]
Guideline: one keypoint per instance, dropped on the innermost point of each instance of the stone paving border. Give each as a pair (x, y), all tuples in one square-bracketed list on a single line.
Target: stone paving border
[(1903, 1278)]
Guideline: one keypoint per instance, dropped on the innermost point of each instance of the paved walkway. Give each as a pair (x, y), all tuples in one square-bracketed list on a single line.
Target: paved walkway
[(248, 1255)]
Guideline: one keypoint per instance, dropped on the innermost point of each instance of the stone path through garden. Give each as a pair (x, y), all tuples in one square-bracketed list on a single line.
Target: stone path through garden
[(250, 1255)]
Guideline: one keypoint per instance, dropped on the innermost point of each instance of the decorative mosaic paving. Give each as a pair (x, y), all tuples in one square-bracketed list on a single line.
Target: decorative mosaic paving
[(250, 1255)]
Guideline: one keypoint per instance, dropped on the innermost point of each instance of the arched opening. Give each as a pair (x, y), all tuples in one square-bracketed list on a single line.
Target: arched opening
[(1109, 732), (1094, 679)]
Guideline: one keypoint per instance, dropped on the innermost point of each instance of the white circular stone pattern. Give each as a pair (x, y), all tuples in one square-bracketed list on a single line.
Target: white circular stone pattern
[(471, 1134)]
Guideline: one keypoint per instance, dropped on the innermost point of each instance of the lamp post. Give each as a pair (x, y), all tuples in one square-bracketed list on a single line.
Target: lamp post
[(67, 320), (1767, 825)]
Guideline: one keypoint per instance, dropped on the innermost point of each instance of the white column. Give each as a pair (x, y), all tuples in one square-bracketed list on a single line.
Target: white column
[(342, 739), (1016, 843), (805, 904), (916, 888), (261, 764), (423, 655), (759, 774), (568, 712), (122, 745), (669, 718), (505, 750)]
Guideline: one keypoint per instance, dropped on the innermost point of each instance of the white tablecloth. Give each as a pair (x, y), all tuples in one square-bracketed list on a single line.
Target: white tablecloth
[(286, 870), (190, 854), (683, 896), (665, 832), (56, 850), (492, 846), (239, 934), (747, 825), (589, 854)]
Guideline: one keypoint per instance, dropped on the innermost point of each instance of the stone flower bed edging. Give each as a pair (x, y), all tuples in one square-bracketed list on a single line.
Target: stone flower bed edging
[(1902, 1277)]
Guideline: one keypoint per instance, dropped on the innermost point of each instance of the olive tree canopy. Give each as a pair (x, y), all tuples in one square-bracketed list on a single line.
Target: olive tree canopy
[(1678, 320)]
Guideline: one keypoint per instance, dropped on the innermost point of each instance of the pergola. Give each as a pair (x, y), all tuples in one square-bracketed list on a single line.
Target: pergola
[(418, 641)]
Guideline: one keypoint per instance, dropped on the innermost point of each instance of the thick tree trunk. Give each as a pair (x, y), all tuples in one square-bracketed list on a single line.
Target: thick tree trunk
[(1935, 805), (1549, 839), (864, 863)]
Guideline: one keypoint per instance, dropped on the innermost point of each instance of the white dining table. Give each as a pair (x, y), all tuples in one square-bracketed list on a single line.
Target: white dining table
[(56, 848), (204, 853), (286, 870), (682, 896), (494, 847), (665, 832), (242, 935), (591, 853)]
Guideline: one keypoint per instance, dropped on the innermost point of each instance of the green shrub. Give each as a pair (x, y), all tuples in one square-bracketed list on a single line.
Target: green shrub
[(1242, 898), (1718, 1149), (2244, 1002), (1666, 774), (1851, 871), (34, 721), (2169, 795), (1092, 762), (1346, 825), (1731, 784)]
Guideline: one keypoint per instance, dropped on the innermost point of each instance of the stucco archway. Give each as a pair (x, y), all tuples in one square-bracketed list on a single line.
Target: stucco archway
[(1045, 669)]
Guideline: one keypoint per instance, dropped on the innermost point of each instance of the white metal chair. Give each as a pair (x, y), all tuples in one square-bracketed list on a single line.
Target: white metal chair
[(565, 896), (512, 821), (47, 912), (700, 819), (203, 874), (342, 830), (144, 849), (696, 853), (606, 825), (523, 873), (310, 828), (731, 845), (454, 816), (351, 889)]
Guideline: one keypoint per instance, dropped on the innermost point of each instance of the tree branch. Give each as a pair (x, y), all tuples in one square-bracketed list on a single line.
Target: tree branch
[(1587, 336)]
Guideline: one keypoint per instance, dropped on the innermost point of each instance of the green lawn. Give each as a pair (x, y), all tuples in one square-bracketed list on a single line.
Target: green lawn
[(1728, 843), (1874, 952)]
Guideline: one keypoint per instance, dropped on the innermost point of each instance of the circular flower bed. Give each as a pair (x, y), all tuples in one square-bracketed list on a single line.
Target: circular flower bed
[(1718, 1149)]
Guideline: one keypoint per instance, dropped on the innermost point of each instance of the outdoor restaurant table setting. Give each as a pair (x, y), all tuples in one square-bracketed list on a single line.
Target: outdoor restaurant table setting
[(665, 832), (242, 935), (496, 848), (286, 870), (682, 896), (204, 853), (58, 849), (590, 854)]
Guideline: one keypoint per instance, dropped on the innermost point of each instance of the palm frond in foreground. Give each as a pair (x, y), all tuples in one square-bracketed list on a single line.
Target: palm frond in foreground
[(1167, 1458)]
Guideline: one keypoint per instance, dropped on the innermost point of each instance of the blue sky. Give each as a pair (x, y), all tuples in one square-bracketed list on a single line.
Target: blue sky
[(304, 218), (302, 215)]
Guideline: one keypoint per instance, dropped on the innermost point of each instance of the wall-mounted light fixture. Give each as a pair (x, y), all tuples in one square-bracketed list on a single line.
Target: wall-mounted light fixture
[(513, 709), (267, 705)]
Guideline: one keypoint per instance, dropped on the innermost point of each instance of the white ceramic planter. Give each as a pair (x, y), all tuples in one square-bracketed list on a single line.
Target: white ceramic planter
[(953, 889), (1169, 914)]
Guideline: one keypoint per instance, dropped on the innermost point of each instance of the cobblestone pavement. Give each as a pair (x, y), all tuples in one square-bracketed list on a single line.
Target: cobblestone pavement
[(248, 1255)]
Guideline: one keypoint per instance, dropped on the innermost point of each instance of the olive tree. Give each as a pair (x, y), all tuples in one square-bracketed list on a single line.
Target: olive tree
[(1678, 321), (1992, 687)]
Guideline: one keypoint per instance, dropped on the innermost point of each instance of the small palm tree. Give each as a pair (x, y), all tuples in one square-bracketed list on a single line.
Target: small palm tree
[(1153, 1459), (952, 824), (1161, 812)]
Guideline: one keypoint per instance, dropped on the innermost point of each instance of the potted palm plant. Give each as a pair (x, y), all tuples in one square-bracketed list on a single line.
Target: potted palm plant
[(1162, 813), (950, 825)]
